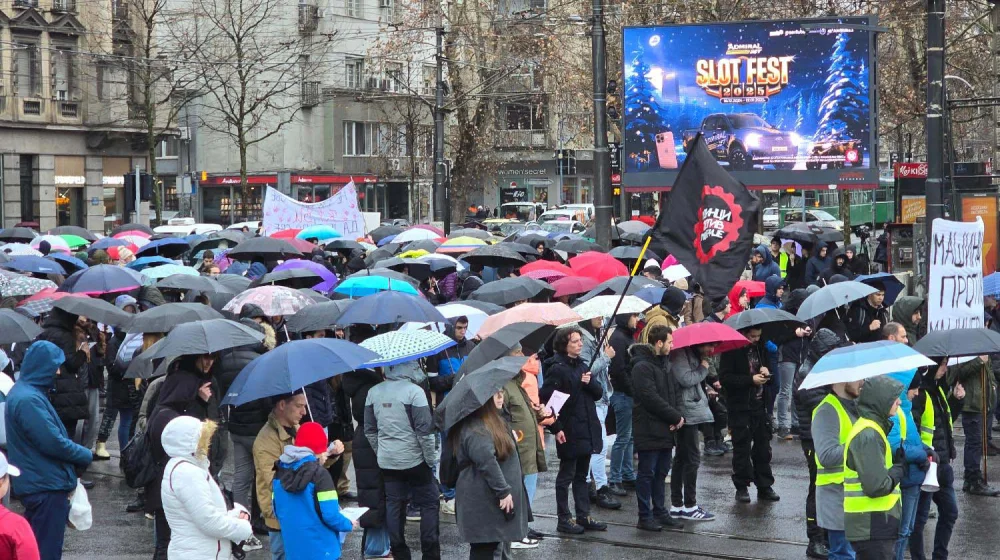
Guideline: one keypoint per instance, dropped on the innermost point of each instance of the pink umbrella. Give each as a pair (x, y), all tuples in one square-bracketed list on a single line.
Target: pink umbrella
[(273, 300), (725, 338), (599, 266), (573, 285), (132, 233), (55, 242), (302, 245), (548, 313), (544, 274), (548, 265)]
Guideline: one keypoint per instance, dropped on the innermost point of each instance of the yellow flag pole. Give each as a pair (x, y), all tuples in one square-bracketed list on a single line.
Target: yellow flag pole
[(604, 328)]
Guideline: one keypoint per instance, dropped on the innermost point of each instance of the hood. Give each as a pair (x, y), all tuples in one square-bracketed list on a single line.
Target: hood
[(150, 296), (772, 284), (188, 437), (795, 300), (904, 377), (764, 251), (38, 368), (903, 309), (822, 342), (641, 352), (259, 347), (179, 390), (621, 322), (60, 319), (877, 396), (124, 300), (407, 371), (296, 468)]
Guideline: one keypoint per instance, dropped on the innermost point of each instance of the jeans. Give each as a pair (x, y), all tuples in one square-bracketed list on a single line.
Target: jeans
[(813, 530), (482, 551), (530, 486), (573, 472), (839, 547), (375, 542), (447, 493), (277, 545), (598, 461), (124, 416), (947, 504), (621, 451), (47, 514), (784, 414), (93, 421), (972, 423), (419, 482), (243, 468), (684, 480), (911, 498), (650, 486), (751, 449), (873, 550)]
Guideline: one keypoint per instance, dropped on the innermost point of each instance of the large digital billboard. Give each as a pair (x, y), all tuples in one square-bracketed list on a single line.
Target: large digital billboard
[(780, 103)]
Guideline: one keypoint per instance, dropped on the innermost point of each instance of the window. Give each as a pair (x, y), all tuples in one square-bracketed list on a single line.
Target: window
[(429, 80), (357, 140), (27, 69), (355, 8), (525, 116), (393, 77), (168, 148), (63, 75), (354, 72)]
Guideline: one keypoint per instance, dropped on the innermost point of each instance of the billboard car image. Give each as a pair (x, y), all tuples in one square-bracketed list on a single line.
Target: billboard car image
[(778, 102)]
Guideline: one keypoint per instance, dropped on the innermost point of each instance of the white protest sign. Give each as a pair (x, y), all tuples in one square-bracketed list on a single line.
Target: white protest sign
[(340, 212), (955, 290)]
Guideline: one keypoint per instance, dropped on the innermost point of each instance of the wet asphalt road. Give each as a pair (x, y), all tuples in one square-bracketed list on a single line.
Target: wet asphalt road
[(741, 531)]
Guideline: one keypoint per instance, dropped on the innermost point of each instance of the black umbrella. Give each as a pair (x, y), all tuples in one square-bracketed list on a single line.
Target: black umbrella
[(631, 253), (484, 306), (74, 230), (955, 343), (833, 296), (314, 295), (291, 277), (578, 246), (591, 232), (15, 327), (381, 232), (319, 317), (533, 239), (617, 285), (388, 273), (810, 233), (416, 268), (131, 227), (344, 245), (500, 343), (205, 337), (428, 245), (165, 317), (264, 248), (470, 232), (497, 256), (511, 290), (522, 249), (17, 235), (382, 253), (234, 282), (473, 390), (224, 239), (142, 366), (96, 309), (772, 321), (188, 282)]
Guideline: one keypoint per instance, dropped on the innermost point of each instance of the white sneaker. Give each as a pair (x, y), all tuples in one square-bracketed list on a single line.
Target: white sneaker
[(524, 543), (448, 507), (253, 543)]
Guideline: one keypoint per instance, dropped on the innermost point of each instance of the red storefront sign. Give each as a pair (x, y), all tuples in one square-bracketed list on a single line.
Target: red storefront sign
[(910, 170), (225, 180)]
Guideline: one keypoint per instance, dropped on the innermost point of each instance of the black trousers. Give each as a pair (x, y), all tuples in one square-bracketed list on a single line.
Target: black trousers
[(573, 472), (161, 535), (873, 550), (417, 482), (813, 531), (482, 551), (751, 433), (687, 458)]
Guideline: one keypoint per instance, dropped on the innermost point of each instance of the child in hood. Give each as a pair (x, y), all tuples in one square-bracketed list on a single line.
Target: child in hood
[(305, 498)]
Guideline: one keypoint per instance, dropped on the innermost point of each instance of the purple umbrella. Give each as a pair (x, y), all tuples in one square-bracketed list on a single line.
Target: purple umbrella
[(329, 278)]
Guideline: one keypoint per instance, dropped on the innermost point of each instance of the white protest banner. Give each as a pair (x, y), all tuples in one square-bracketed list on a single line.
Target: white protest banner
[(340, 212), (955, 290)]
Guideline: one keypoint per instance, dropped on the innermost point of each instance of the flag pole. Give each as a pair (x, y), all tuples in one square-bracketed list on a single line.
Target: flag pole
[(604, 327)]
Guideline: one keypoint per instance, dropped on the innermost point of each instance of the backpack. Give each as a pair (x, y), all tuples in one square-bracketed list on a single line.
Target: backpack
[(466, 288), (450, 468), (137, 461)]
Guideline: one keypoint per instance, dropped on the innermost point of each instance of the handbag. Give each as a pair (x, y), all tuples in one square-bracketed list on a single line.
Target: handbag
[(137, 461)]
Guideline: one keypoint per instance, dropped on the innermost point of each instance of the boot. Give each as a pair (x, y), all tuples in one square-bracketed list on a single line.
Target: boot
[(977, 487), (669, 522), (714, 449), (590, 524), (617, 489), (605, 500), (567, 525), (817, 549), (742, 495), (767, 494), (138, 504), (101, 452), (649, 525), (992, 450)]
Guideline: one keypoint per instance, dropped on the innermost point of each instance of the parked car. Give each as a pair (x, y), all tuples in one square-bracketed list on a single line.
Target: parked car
[(771, 218), (815, 215), (563, 226)]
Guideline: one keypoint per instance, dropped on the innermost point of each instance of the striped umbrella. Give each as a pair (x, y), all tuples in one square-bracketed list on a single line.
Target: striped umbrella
[(460, 245)]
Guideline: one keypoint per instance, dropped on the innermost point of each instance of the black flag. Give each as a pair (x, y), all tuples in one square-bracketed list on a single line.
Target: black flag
[(708, 222)]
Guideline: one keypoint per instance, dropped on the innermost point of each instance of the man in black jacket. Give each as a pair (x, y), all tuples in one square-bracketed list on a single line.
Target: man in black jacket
[(656, 416), (622, 474), (743, 374), (868, 316)]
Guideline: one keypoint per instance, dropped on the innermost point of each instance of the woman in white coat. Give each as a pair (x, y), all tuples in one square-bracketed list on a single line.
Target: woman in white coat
[(202, 528)]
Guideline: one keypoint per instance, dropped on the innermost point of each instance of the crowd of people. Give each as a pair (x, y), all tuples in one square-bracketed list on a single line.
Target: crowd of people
[(638, 415)]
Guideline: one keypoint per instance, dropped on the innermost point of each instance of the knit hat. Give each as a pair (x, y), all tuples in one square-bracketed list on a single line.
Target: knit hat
[(44, 247), (125, 300), (312, 436), (682, 283), (719, 305), (673, 300)]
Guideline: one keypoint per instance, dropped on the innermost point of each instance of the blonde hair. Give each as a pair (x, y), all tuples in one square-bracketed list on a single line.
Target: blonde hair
[(149, 339), (208, 428)]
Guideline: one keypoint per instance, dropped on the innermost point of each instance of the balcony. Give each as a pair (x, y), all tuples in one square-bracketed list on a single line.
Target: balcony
[(520, 139), (25, 3), (310, 94), (521, 83), (64, 6), (308, 18), (136, 111)]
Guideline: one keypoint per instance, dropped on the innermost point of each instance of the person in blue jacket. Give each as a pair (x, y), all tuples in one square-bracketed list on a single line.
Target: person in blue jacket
[(763, 264), (38, 443), (774, 289), (917, 455), (305, 498)]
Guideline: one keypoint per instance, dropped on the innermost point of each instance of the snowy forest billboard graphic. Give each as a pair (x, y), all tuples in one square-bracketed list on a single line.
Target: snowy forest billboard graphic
[(778, 103)]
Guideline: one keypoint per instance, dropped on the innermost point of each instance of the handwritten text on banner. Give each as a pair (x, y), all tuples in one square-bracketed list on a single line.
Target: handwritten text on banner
[(955, 291), (340, 211)]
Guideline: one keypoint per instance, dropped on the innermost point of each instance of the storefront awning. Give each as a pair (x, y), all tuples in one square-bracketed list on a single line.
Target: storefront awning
[(271, 179)]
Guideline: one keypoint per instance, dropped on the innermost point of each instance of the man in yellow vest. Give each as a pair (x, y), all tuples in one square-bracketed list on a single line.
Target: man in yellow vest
[(872, 472)]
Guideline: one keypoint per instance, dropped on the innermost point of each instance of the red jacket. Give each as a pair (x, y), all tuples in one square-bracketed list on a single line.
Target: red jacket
[(17, 542)]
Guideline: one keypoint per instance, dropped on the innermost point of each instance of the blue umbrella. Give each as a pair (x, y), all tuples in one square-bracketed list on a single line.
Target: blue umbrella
[(102, 279), (168, 247), (385, 240), (861, 361), (145, 262), (390, 307), (293, 365), (991, 284), (38, 265), (651, 294), (320, 232), (105, 243), (892, 285), (74, 263), (360, 286)]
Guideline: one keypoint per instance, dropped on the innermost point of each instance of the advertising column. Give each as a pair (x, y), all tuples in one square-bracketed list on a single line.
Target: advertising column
[(984, 206)]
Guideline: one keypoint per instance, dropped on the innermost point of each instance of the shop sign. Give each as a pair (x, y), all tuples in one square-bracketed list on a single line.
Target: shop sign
[(114, 180), (917, 170), (70, 180)]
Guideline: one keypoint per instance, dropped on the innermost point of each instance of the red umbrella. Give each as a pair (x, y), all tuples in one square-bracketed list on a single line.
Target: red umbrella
[(286, 233), (753, 288), (599, 266), (544, 274), (548, 265), (302, 245), (573, 285), (726, 337)]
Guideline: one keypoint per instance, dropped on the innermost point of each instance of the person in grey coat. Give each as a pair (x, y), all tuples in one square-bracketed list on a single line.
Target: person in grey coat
[(491, 506), (689, 367)]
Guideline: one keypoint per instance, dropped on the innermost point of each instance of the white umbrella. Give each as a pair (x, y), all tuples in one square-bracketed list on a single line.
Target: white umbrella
[(415, 234), (862, 361), (18, 249), (604, 306), (451, 310), (56, 243)]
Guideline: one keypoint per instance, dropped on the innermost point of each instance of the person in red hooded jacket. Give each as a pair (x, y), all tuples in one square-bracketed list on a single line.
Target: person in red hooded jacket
[(17, 541)]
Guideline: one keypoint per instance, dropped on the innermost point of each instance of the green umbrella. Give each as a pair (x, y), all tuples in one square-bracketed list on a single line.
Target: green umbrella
[(74, 241)]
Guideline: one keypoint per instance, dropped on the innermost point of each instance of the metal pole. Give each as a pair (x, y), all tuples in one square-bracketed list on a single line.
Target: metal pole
[(440, 198), (138, 187), (602, 159), (935, 113)]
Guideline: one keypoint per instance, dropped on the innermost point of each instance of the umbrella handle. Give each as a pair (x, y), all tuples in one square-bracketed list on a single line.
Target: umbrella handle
[(604, 327)]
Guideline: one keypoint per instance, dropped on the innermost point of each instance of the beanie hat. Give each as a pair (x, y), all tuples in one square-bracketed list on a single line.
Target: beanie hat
[(682, 283), (673, 300), (719, 305), (312, 436), (44, 247)]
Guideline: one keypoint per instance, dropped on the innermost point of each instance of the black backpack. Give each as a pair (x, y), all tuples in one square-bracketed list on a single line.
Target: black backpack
[(137, 461), (450, 468)]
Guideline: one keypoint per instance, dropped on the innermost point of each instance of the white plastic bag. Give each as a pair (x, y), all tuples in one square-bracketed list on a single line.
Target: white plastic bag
[(80, 514)]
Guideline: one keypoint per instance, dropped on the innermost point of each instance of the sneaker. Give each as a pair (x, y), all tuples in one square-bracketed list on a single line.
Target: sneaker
[(137, 505), (535, 535), (669, 522), (524, 544), (253, 543), (727, 446), (648, 525), (676, 512), (150, 517), (742, 495), (696, 514), (447, 507), (607, 501), (767, 494), (713, 449), (817, 549), (591, 524), (412, 513), (569, 526), (617, 489)]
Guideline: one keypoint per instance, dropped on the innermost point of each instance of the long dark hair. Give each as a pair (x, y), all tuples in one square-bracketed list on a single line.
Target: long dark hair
[(496, 426)]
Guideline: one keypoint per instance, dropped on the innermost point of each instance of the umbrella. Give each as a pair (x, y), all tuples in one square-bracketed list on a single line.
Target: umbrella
[(599, 266), (55, 242), (511, 290), (381, 253), (548, 265), (321, 232), (548, 313), (500, 343), (956, 343), (233, 282), (17, 234), (485, 307), (15, 249), (675, 272), (893, 286), (286, 233), (294, 365), (578, 246), (70, 263), (474, 389), (165, 270), (42, 300), (617, 286), (475, 316), (102, 279), (93, 308), (296, 278), (397, 347), (360, 286), (651, 294), (301, 245), (573, 285), (499, 255), (19, 285), (772, 321), (74, 230), (344, 245), (15, 327), (441, 265), (522, 249), (133, 233), (165, 317), (264, 248), (313, 295), (810, 233), (428, 245), (832, 297), (546, 275), (460, 245), (631, 252), (218, 242), (38, 265), (633, 226), (753, 288), (206, 337), (723, 336), (386, 240), (475, 233), (138, 227), (416, 268), (862, 361), (188, 282), (991, 284), (74, 242), (604, 306), (390, 307), (428, 227), (415, 234), (319, 317), (106, 243), (170, 247), (273, 300), (327, 279), (382, 232), (144, 262), (532, 239)]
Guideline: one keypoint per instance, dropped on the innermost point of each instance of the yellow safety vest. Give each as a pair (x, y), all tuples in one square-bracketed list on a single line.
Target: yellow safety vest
[(783, 264), (901, 420), (855, 500), (927, 424), (833, 475)]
